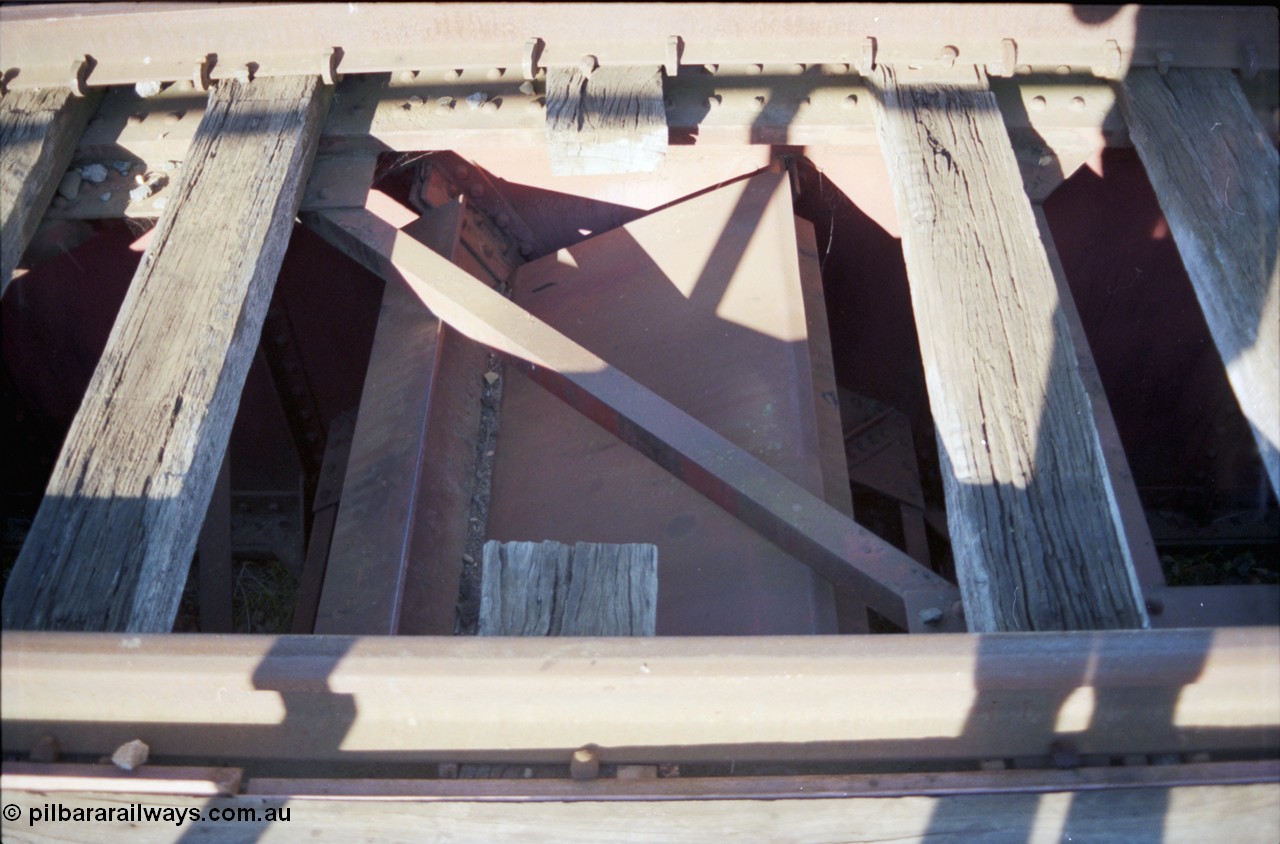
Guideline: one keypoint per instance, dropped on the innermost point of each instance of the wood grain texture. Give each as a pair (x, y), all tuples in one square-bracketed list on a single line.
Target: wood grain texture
[(1217, 177), (1122, 490), (1035, 542), (553, 589), (112, 542), (614, 121), (1241, 814), (39, 130)]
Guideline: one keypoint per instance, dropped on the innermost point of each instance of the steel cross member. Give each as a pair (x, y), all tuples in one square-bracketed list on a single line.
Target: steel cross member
[(836, 547)]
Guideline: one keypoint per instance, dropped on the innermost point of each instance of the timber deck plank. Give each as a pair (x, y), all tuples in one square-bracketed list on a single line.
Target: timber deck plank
[(610, 120), (112, 542), (1036, 544), (554, 589), (1217, 176), (39, 131)]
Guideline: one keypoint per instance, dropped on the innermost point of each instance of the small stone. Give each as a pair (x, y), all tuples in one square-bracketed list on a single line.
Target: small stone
[(131, 755), (46, 750), (105, 196), (491, 378), (477, 99), (415, 100), (70, 184), (468, 559), (122, 167), (148, 88), (140, 193), (526, 87), (95, 173)]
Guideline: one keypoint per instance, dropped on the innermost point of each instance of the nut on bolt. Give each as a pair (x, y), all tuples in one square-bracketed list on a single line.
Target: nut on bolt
[(585, 763)]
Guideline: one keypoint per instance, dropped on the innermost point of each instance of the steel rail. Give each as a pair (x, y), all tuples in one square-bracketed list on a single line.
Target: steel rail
[(119, 43), (646, 701)]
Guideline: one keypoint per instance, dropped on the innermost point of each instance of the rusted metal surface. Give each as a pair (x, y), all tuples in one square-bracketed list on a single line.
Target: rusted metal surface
[(1213, 606), (653, 700), (702, 304), (211, 42), (776, 787), (324, 517), (370, 554), (840, 550)]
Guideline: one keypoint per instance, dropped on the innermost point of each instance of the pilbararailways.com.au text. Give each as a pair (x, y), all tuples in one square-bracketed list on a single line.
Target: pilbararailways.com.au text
[(141, 813)]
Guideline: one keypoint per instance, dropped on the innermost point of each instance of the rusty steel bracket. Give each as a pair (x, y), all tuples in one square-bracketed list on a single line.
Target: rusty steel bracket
[(675, 46), (798, 522), (529, 61), (78, 78)]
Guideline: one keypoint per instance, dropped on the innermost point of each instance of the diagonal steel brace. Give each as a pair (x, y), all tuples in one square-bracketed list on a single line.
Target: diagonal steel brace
[(834, 546)]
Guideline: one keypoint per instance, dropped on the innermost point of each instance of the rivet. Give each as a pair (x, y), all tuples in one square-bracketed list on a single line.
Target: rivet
[(415, 100), (1038, 103), (173, 117), (797, 68), (850, 101), (949, 55), (489, 106), (408, 75), (711, 68), (451, 74), (494, 73), (135, 119), (1077, 103), (444, 105), (1063, 70), (537, 104), (754, 69), (757, 104)]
